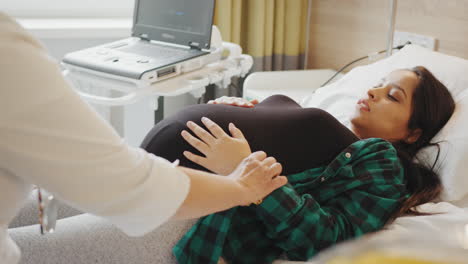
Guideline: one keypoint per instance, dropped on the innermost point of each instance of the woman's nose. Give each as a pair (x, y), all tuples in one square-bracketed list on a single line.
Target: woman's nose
[(375, 93), (371, 94)]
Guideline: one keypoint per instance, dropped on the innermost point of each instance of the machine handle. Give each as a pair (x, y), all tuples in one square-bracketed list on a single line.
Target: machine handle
[(110, 101), (130, 97)]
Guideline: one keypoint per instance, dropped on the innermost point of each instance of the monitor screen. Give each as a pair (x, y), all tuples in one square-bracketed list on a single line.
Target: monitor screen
[(188, 16)]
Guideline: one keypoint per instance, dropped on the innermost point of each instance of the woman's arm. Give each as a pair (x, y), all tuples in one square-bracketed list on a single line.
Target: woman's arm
[(359, 193), (302, 227)]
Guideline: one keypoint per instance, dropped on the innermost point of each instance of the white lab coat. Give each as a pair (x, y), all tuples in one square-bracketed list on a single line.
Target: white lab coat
[(49, 137)]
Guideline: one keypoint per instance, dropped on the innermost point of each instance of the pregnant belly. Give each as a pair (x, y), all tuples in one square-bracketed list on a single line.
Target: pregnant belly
[(294, 136)]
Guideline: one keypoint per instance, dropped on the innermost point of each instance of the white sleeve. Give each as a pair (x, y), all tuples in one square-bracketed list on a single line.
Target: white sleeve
[(51, 138)]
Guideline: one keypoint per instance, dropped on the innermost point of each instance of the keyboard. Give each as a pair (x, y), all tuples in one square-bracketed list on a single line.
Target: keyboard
[(154, 51)]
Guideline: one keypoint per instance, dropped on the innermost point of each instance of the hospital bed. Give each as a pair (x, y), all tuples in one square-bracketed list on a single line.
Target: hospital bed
[(83, 238)]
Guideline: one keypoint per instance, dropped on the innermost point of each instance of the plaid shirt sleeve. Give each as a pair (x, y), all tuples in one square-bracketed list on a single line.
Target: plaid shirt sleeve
[(302, 226)]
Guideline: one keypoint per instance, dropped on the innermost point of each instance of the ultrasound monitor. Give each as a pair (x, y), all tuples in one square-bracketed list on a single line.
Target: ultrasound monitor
[(183, 22)]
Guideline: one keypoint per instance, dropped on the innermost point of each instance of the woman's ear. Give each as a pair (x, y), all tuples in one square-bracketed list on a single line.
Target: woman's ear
[(413, 136)]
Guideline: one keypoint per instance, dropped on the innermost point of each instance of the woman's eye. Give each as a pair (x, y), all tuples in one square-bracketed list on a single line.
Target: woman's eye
[(392, 98)]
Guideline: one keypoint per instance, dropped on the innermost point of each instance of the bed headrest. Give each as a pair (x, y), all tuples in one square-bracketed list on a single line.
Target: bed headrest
[(339, 99)]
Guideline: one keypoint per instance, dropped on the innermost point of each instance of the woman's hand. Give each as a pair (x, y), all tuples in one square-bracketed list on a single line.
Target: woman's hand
[(258, 176), (234, 101), (222, 152)]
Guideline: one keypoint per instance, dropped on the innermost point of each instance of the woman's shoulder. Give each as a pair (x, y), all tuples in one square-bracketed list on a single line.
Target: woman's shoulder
[(378, 144), (377, 160), (367, 154), (373, 148)]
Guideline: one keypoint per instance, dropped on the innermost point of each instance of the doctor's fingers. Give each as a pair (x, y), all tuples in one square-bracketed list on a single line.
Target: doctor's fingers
[(274, 184), (269, 161), (195, 142), (201, 133), (263, 179), (275, 169), (257, 155), (269, 165)]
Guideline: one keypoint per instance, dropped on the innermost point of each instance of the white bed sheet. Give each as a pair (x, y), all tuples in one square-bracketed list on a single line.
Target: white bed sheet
[(441, 236), (448, 224)]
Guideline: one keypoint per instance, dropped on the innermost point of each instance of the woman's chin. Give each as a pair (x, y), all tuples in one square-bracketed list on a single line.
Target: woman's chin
[(359, 122), (357, 116)]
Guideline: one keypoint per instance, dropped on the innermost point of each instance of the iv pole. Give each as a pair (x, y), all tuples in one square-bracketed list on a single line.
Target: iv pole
[(391, 26), (306, 53)]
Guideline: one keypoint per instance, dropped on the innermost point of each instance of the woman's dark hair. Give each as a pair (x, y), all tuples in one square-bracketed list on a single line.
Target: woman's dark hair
[(432, 107)]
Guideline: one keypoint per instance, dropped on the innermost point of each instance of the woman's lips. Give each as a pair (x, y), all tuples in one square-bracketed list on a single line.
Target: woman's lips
[(363, 105)]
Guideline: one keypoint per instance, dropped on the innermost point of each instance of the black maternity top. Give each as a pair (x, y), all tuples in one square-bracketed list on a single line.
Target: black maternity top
[(299, 138)]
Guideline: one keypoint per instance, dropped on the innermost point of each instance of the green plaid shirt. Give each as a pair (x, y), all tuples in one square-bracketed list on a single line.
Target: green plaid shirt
[(355, 194)]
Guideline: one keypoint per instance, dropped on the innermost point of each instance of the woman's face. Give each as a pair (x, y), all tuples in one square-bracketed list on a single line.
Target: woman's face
[(386, 110)]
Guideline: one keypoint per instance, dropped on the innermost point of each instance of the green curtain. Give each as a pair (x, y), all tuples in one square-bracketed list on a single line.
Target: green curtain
[(272, 31)]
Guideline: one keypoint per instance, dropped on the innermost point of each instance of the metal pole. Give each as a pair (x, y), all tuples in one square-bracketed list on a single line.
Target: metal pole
[(306, 53), (391, 26)]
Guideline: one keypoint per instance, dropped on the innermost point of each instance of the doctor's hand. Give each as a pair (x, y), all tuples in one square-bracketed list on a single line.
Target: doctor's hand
[(259, 176), (223, 153), (234, 101)]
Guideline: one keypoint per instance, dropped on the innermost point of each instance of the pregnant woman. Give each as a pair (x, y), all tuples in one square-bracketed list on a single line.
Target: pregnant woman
[(343, 182)]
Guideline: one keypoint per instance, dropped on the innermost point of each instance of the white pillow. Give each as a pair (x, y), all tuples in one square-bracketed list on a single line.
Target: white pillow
[(340, 99)]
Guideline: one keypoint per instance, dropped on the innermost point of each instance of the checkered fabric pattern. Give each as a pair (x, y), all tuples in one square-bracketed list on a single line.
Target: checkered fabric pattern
[(355, 194)]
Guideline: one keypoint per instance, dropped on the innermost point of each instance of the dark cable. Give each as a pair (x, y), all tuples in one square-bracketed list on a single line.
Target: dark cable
[(360, 59)]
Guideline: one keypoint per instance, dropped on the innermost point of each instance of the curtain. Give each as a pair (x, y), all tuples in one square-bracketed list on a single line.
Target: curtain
[(272, 31)]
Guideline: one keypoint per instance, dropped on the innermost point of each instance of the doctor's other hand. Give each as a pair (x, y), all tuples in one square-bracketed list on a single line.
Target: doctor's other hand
[(234, 101), (258, 176), (222, 153)]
